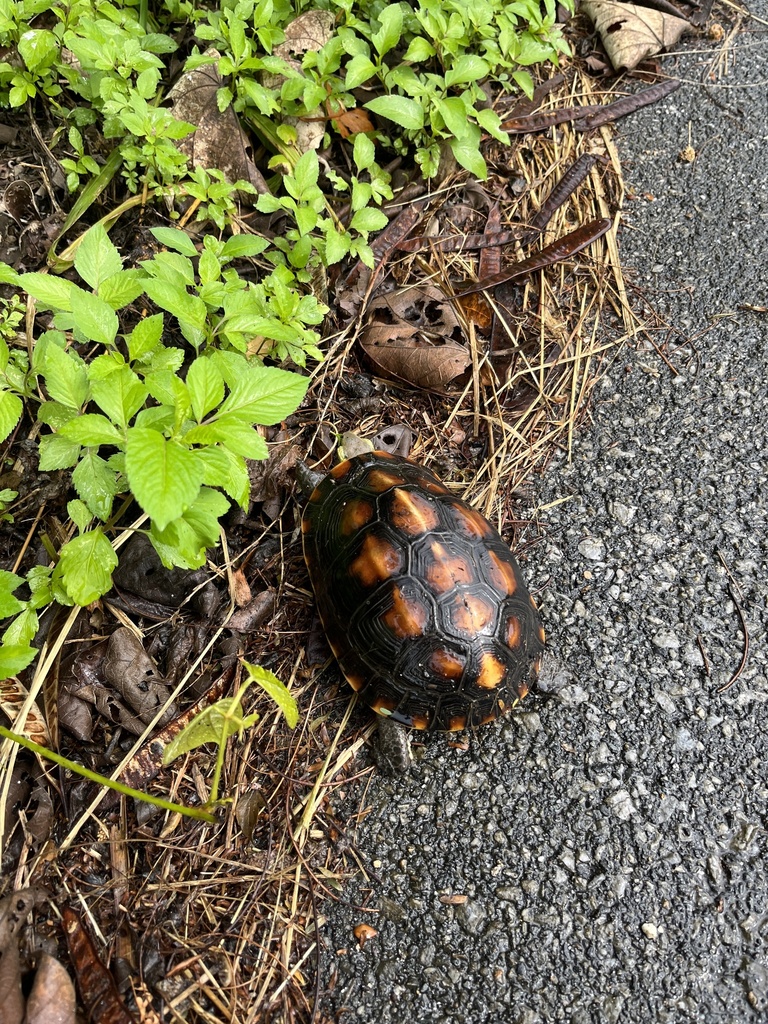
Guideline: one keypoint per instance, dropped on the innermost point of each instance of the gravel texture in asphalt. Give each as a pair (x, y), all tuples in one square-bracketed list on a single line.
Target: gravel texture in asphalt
[(601, 856)]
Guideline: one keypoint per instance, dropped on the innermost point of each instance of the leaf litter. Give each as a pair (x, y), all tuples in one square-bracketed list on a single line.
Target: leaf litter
[(494, 307)]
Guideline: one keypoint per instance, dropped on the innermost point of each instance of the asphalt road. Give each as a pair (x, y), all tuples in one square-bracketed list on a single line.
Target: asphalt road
[(602, 856)]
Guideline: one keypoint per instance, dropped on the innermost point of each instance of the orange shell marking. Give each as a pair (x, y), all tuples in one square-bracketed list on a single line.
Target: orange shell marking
[(446, 570), (471, 615), (492, 672), (378, 560), (412, 514), (446, 664), (356, 515), (406, 618), (502, 574)]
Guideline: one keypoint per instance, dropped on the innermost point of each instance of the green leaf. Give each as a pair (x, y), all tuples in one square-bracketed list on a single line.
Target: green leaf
[(206, 387), (11, 408), (65, 377), (94, 317), (243, 245), (468, 68), (175, 239), (364, 151), (38, 48), (165, 477), (266, 394), (391, 28), (120, 395), (14, 658), (23, 629), (185, 307), (85, 567), (49, 290), (97, 258), (79, 513), (223, 468), (467, 153), (403, 111), (96, 484), (9, 605), (359, 70), (277, 690), (369, 219), (336, 245), (214, 724), (233, 432), (91, 429), (145, 336), (122, 289), (419, 50), (57, 452)]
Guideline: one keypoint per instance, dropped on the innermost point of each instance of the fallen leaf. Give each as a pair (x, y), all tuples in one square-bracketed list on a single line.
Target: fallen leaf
[(219, 141), (352, 122), (14, 908), (98, 990), (134, 675), (52, 999), (630, 33), (12, 696), (403, 352)]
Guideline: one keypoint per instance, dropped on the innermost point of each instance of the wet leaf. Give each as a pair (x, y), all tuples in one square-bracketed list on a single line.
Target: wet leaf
[(129, 669), (277, 690), (630, 33), (97, 986)]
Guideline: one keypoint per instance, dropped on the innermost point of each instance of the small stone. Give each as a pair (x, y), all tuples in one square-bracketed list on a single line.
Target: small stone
[(593, 549), (666, 640), (621, 804), (623, 514), (650, 931)]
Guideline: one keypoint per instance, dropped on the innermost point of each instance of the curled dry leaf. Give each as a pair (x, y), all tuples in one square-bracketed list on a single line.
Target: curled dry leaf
[(12, 697), (631, 33), (52, 999), (403, 352), (256, 612), (219, 141), (364, 932), (135, 676)]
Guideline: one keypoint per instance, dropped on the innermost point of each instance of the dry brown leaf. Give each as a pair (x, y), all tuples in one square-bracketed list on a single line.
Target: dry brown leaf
[(12, 696), (310, 31), (219, 141), (131, 671), (403, 352), (14, 909), (52, 999), (630, 33), (352, 122)]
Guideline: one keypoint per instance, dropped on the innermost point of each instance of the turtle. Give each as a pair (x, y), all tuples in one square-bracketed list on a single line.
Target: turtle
[(423, 603)]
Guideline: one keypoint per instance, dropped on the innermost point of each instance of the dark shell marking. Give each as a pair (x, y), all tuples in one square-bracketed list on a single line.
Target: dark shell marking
[(423, 603)]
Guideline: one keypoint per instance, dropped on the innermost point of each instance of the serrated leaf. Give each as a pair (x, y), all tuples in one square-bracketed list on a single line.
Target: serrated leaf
[(79, 513), (206, 387), (96, 484), (66, 379), (55, 415), (97, 258), (165, 477), (277, 690), (57, 452), (178, 545), (234, 433), (403, 111), (244, 245), (11, 408), (266, 394), (359, 70), (91, 429), (122, 289), (223, 468), (51, 291), (188, 309), (145, 336), (94, 317), (120, 395), (175, 239), (85, 567), (23, 629), (14, 658), (9, 605)]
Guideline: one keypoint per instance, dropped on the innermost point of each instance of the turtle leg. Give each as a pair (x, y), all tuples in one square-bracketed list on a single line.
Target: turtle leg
[(393, 747)]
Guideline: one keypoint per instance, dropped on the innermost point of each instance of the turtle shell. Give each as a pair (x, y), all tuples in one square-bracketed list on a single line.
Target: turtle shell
[(423, 603)]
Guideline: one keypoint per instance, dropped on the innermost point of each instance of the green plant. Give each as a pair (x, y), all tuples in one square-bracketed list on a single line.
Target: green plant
[(219, 721), (142, 419)]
